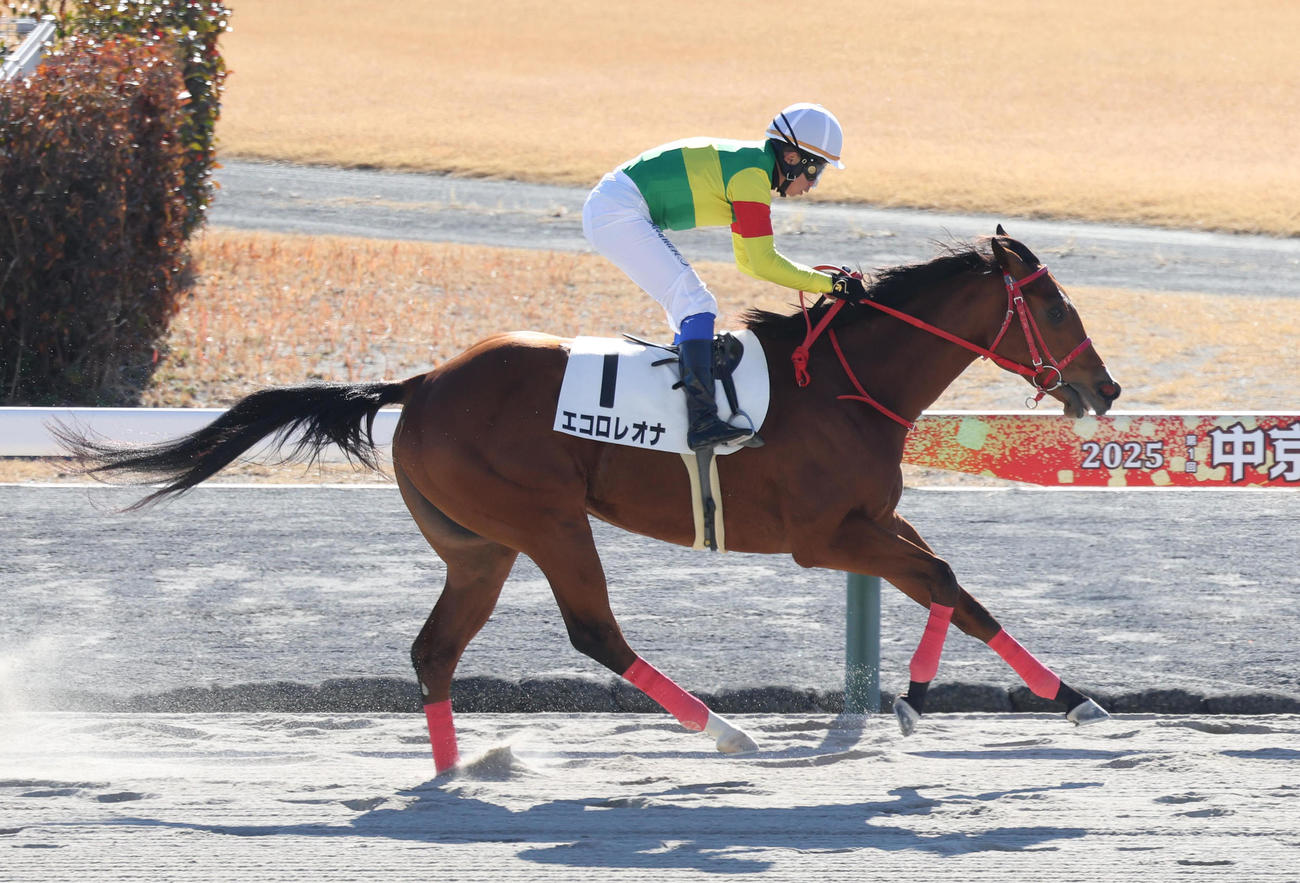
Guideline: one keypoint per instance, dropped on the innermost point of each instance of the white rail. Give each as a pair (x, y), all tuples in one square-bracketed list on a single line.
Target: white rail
[(25, 432), (28, 55)]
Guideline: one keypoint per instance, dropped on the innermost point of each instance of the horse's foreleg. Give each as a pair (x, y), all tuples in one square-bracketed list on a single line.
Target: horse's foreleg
[(923, 666), (572, 566), (971, 617), (945, 595), (1044, 682), (861, 545)]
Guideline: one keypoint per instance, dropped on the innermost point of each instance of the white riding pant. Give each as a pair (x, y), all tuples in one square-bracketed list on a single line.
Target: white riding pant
[(616, 221)]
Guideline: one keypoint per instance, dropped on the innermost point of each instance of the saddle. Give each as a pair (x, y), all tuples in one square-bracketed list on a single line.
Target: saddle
[(617, 390)]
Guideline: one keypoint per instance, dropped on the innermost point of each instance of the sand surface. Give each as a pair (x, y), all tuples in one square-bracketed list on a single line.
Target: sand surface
[(331, 797)]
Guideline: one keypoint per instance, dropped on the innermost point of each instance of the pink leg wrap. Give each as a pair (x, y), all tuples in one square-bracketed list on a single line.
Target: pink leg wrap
[(1037, 676), (442, 733), (925, 661), (689, 711)]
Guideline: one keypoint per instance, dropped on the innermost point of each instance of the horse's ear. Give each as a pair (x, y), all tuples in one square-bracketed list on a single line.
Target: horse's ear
[(999, 250)]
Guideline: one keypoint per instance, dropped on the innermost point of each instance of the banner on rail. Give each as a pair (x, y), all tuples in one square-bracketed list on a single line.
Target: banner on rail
[(1119, 450), (1245, 449)]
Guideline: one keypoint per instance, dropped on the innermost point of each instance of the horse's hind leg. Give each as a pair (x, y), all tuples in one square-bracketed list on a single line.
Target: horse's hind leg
[(571, 564), (476, 570), (970, 616)]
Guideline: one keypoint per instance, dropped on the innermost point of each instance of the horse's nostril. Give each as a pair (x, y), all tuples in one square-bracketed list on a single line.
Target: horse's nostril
[(1109, 390)]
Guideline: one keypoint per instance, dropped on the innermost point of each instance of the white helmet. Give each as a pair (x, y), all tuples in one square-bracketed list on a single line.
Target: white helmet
[(811, 128)]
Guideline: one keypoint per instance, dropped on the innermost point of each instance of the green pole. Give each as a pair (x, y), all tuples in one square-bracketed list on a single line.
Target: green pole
[(862, 645)]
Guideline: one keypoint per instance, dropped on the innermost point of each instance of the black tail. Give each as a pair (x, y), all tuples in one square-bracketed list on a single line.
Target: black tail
[(315, 416)]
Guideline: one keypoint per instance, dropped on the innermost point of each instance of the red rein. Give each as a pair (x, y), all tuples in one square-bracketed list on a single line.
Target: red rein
[(1016, 306)]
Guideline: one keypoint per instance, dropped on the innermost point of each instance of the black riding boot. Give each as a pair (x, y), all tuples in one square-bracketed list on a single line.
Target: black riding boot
[(706, 430)]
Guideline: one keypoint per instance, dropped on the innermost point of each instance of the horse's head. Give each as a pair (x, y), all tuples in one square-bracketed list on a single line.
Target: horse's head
[(1043, 332)]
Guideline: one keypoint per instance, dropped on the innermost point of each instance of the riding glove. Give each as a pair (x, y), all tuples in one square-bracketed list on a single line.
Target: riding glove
[(848, 286)]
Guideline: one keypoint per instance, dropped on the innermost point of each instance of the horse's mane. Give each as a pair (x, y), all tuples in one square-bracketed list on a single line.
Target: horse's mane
[(891, 286)]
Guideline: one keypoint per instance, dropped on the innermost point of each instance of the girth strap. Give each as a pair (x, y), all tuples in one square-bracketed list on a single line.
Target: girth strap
[(706, 504)]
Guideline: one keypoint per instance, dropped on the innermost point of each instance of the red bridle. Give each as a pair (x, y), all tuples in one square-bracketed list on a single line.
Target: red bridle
[(1040, 355)]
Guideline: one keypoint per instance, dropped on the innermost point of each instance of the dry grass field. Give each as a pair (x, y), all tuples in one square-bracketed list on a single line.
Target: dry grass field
[(1173, 113), (284, 309)]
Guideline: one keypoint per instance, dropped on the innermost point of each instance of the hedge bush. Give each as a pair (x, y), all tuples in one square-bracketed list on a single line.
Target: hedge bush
[(92, 220), (106, 157), (192, 27)]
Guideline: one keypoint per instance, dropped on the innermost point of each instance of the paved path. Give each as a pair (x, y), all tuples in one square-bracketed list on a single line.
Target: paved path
[(439, 208)]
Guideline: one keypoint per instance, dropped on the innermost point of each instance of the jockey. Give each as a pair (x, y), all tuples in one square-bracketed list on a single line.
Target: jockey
[(706, 182)]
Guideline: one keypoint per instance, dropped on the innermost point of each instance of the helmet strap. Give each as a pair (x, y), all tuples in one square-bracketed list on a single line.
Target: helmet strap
[(789, 172), (788, 133), (786, 179)]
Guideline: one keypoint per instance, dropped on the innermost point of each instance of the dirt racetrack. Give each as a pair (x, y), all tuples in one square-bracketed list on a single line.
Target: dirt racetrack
[(562, 797)]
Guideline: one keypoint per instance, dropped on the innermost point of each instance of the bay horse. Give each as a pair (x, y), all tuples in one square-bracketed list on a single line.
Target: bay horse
[(486, 477)]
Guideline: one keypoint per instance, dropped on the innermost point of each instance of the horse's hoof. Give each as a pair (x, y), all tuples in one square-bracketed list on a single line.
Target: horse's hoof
[(730, 739), (1087, 712), (907, 716), (737, 742)]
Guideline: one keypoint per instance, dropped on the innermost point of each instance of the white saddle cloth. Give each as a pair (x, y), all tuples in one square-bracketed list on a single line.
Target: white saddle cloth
[(613, 393)]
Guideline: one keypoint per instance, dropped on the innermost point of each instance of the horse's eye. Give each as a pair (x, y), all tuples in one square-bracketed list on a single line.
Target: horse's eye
[(1056, 313)]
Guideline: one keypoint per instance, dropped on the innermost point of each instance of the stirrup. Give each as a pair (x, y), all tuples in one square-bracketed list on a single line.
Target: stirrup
[(718, 433)]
